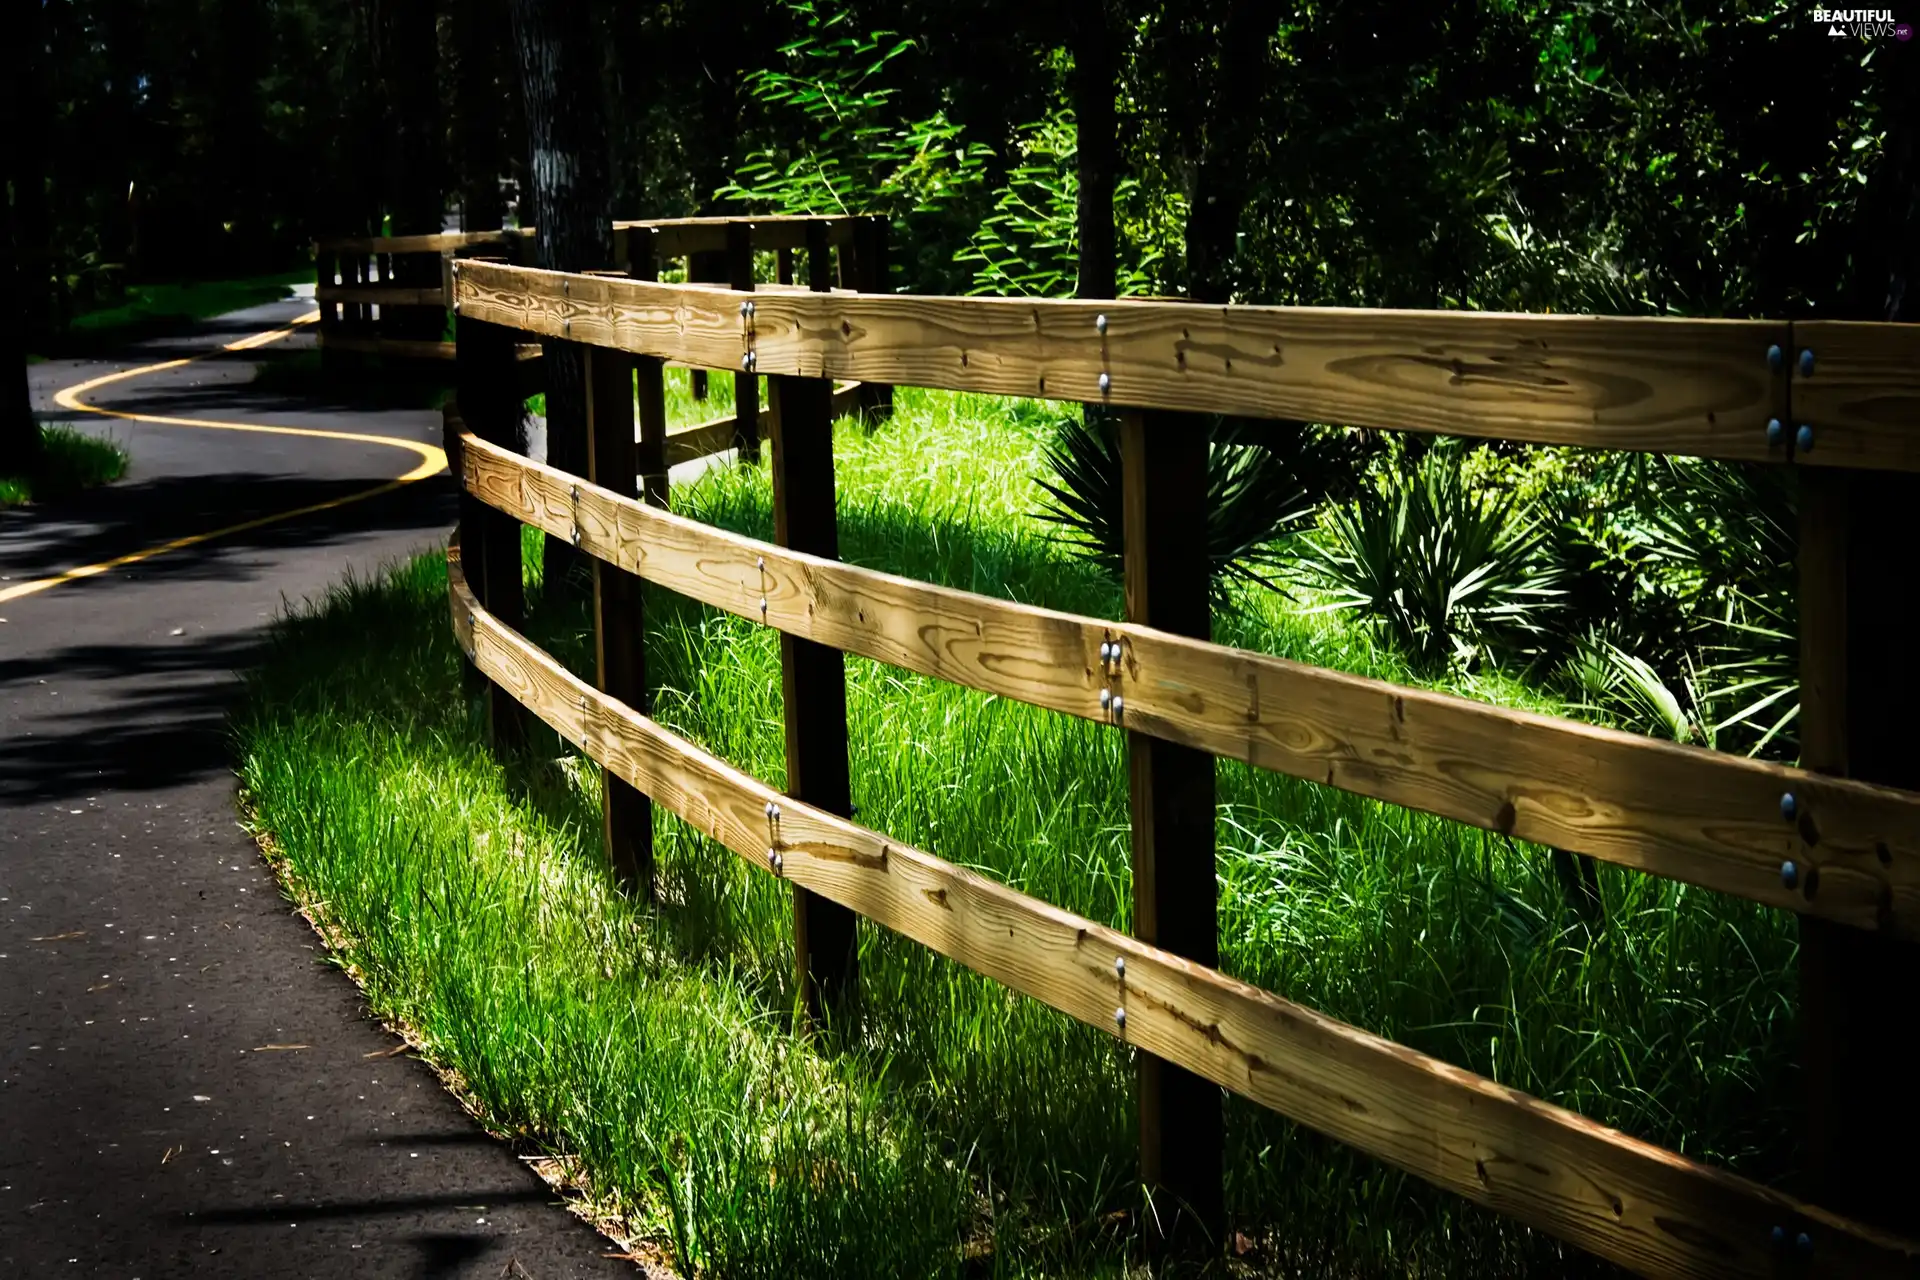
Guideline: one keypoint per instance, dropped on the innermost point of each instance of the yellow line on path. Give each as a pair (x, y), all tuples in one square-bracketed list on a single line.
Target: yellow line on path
[(432, 462)]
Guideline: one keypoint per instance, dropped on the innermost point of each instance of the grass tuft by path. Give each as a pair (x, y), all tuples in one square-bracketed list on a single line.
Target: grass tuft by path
[(72, 461), (966, 1122)]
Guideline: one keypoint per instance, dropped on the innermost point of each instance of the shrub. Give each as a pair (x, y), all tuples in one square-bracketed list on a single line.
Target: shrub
[(1441, 568)]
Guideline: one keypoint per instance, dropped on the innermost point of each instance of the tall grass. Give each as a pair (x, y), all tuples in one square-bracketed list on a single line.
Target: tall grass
[(71, 461), (963, 1121)]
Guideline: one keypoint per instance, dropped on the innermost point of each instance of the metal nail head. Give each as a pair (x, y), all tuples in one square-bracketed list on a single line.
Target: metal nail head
[(1776, 432), (1789, 806), (1806, 363), (1106, 383), (1803, 439), (1119, 705), (1120, 966), (770, 808), (1100, 323), (1789, 874), (1106, 699), (1779, 1233), (1120, 1017), (746, 308), (775, 861), (1775, 358), (1804, 1243)]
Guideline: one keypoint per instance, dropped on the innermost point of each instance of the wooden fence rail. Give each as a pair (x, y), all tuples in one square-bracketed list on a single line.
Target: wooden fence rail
[(1831, 848)]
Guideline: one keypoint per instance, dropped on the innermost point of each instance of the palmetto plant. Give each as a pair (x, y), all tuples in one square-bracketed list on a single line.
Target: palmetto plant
[(1440, 568), (1255, 496)]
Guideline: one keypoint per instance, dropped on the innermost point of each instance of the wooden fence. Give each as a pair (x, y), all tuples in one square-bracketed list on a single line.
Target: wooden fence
[(388, 296), (1839, 401)]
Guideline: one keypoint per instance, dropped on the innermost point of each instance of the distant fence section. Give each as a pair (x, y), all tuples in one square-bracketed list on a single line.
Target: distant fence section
[(1835, 400), (390, 296)]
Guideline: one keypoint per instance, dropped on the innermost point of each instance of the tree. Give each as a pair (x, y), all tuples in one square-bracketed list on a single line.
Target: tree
[(1094, 57), (20, 449), (479, 127), (568, 172), (19, 434)]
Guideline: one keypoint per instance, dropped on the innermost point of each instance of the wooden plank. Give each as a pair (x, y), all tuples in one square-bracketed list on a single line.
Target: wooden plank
[(1636, 1204), (489, 404), (439, 243), (678, 237), (1682, 812), (398, 348), (619, 629), (1862, 398), (1171, 790), (813, 688), (381, 295), (746, 382), (1859, 702), (1663, 385)]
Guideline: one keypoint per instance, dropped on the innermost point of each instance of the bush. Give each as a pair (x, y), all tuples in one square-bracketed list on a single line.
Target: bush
[(1444, 570), (1255, 496)]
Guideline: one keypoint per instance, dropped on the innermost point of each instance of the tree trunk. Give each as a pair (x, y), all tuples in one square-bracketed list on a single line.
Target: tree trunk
[(572, 207), (409, 57), (27, 127), (1221, 176), (478, 26), (20, 451), (1093, 90)]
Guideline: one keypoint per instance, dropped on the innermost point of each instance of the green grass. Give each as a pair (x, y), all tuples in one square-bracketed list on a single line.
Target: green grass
[(73, 461), (653, 1045), (682, 409)]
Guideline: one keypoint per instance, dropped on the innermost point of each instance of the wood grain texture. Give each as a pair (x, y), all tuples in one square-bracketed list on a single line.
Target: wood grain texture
[(381, 295), (1670, 386), (1683, 812), (1641, 1206), (1862, 398)]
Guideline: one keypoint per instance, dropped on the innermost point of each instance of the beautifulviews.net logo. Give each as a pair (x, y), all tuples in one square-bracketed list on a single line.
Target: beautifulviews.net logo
[(1862, 24)]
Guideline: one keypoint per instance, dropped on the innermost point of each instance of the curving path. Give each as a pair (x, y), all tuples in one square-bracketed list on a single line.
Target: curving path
[(185, 1086)]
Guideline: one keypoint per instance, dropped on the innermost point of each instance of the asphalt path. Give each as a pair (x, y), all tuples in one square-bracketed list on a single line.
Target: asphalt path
[(186, 1087)]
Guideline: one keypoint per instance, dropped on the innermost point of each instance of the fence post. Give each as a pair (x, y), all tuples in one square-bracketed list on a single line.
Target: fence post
[(325, 264), (872, 274), (813, 688), (488, 391), (746, 383), (618, 625), (650, 453), (703, 268), (1858, 705), (1164, 475)]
